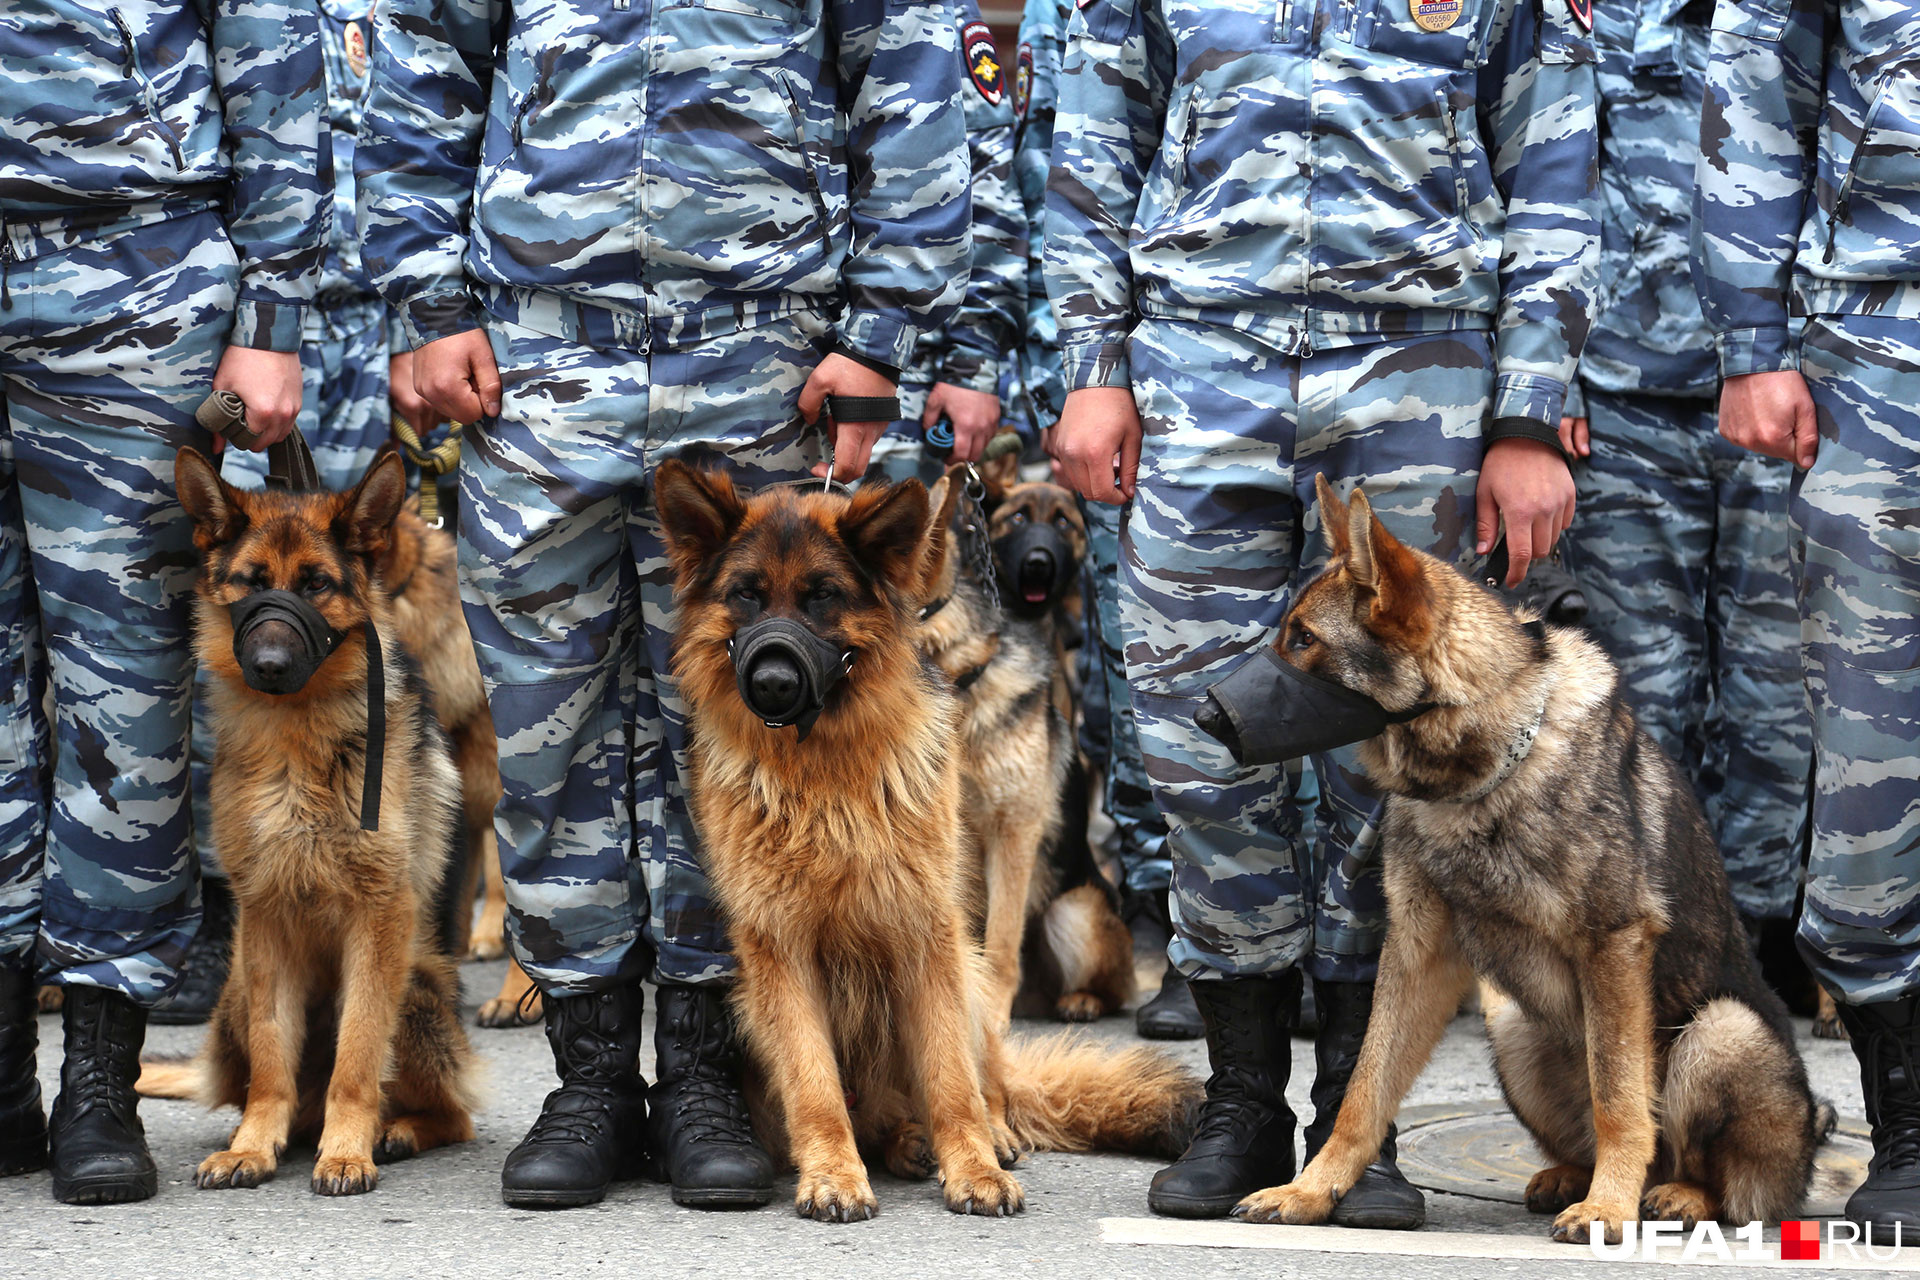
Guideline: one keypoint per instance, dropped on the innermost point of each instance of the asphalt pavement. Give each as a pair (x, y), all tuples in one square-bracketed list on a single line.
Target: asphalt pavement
[(440, 1215)]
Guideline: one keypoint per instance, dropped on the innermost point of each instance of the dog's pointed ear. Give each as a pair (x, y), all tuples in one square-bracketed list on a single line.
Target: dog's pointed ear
[(215, 507), (1334, 520), (1362, 525), (366, 517), (884, 526), (699, 511), (937, 563), (1394, 589), (999, 474)]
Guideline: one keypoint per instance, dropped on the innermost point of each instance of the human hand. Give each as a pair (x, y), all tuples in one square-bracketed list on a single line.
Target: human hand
[(1099, 430), (1771, 413), (268, 383), (837, 375), (1525, 485)]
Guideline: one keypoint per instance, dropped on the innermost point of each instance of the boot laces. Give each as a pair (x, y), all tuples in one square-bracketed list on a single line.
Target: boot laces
[(1896, 1110), (1230, 1097), (97, 1078), (572, 1114), (709, 1103)]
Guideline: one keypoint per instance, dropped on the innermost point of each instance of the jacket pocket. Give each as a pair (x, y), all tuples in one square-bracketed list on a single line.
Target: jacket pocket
[(1440, 33), (1842, 208), (1755, 19), (1102, 21), (805, 158), (149, 92)]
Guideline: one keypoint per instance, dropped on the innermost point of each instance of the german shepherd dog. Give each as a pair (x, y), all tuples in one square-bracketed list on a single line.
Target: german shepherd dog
[(1636, 1040), (1048, 912), (837, 852), (341, 1017)]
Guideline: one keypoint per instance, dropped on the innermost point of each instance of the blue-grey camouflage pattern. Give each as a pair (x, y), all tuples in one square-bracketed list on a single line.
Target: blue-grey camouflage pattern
[(1809, 204), (1223, 529), (569, 598), (110, 343), (1036, 77), (163, 195), (1128, 798), (970, 349), (1325, 172), (1681, 541), (191, 104), (644, 174), (1682, 548)]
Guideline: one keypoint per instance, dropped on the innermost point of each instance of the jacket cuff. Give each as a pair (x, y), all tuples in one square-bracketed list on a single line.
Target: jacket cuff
[(1766, 350), (268, 326), (396, 334), (970, 369), (433, 316), (1100, 361), (1576, 405), (878, 337), (1529, 395)]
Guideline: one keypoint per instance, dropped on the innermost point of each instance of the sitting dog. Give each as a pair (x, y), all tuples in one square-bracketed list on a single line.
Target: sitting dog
[(825, 778), (340, 1020), (1536, 836), (1048, 912)]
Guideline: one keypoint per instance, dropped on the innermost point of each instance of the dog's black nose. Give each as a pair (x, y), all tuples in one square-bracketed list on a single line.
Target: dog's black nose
[(269, 667), (1036, 576), (776, 685)]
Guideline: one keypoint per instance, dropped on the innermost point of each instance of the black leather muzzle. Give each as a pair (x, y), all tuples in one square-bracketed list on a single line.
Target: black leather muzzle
[(785, 671), (279, 640), (1266, 711)]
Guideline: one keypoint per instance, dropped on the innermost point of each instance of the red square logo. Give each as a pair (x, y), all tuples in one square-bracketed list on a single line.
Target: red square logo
[(1800, 1241)]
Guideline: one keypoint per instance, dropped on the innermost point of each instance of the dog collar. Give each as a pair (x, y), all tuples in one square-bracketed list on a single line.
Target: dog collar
[(1521, 745)]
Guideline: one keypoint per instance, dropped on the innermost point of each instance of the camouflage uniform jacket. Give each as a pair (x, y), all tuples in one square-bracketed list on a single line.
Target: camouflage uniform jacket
[(346, 43), (1035, 81), (1321, 172), (986, 326), (171, 107), (1648, 334), (639, 172), (1809, 178)]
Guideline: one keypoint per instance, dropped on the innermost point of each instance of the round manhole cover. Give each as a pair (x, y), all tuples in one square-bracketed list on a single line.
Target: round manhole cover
[(1482, 1151)]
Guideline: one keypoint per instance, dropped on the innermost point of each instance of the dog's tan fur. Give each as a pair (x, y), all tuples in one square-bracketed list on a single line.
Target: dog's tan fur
[(840, 864), (1016, 748), (340, 1020), (1635, 1037)]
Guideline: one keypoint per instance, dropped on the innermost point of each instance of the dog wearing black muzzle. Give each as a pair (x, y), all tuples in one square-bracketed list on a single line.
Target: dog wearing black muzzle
[(335, 796)]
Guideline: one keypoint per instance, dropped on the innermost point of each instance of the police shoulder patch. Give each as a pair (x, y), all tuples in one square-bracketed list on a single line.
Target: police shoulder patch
[(1023, 80), (983, 62), (1582, 13)]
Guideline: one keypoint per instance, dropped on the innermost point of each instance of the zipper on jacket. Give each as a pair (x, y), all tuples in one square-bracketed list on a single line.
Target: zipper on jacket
[(1843, 199), (806, 162), (1462, 197), (6, 267), (131, 70), (527, 104)]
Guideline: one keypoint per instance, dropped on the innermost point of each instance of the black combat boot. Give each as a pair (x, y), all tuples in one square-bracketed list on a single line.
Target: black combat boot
[(203, 971), (1382, 1199), (1886, 1039), (1171, 1014), (1243, 1141), (97, 1143), (23, 1125), (703, 1142), (592, 1130)]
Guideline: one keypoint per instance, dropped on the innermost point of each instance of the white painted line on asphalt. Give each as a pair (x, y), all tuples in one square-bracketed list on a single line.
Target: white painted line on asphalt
[(1464, 1244)]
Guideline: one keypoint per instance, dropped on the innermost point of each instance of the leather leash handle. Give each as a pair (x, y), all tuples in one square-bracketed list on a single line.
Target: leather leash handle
[(225, 414), (863, 408), (289, 463)]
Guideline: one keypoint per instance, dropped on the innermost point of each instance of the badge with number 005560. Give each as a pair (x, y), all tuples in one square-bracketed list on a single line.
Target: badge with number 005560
[(1435, 15)]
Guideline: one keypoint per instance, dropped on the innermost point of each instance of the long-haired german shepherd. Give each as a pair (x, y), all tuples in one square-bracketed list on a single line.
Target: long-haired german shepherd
[(837, 853), (1050, 928), (341, 1019), (1535, 835)]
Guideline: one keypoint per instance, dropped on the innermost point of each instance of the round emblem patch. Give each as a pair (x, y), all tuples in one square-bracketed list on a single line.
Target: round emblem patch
[(356, 49), (1435, 15), (1023, 81), (983, 62), (1582, 13)]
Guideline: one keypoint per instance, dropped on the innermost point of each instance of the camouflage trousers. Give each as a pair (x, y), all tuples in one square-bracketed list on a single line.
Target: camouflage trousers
[(109, 338), (1108, 703), (1859, 586), (345, 415), (1222, 530), (1681, 546), (570, 601)]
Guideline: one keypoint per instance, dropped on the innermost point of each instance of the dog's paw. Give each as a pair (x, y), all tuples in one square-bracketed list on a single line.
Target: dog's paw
[(1292, 1203), (399, 1142), (344, 1175), (51, 998), (909, 1153), (224, 1169), (493, 948), (989, 1193), (1578, 1223), (1079, 1006), (501, 1012), (1006, 1147), (835, 1195), (1829, 1027), (1684, 1202), (1551, 1190)]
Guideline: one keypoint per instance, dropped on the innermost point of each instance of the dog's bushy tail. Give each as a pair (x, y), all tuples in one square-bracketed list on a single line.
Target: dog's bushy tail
[(184, 1078), (1068, 1093)]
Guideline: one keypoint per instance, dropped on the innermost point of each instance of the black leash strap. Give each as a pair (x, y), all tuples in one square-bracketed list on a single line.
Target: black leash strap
[(863, 408), (376, 731), (290, 465)]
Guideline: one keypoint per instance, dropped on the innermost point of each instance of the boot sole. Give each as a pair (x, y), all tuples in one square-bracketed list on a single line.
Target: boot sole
[(115, 1190), (1168, 1031), (1385, 1220), (722, 1197), (552, 1199), (1183, 1207)]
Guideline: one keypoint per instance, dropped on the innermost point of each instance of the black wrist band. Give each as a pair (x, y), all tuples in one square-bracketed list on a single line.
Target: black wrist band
[(863, 408)]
